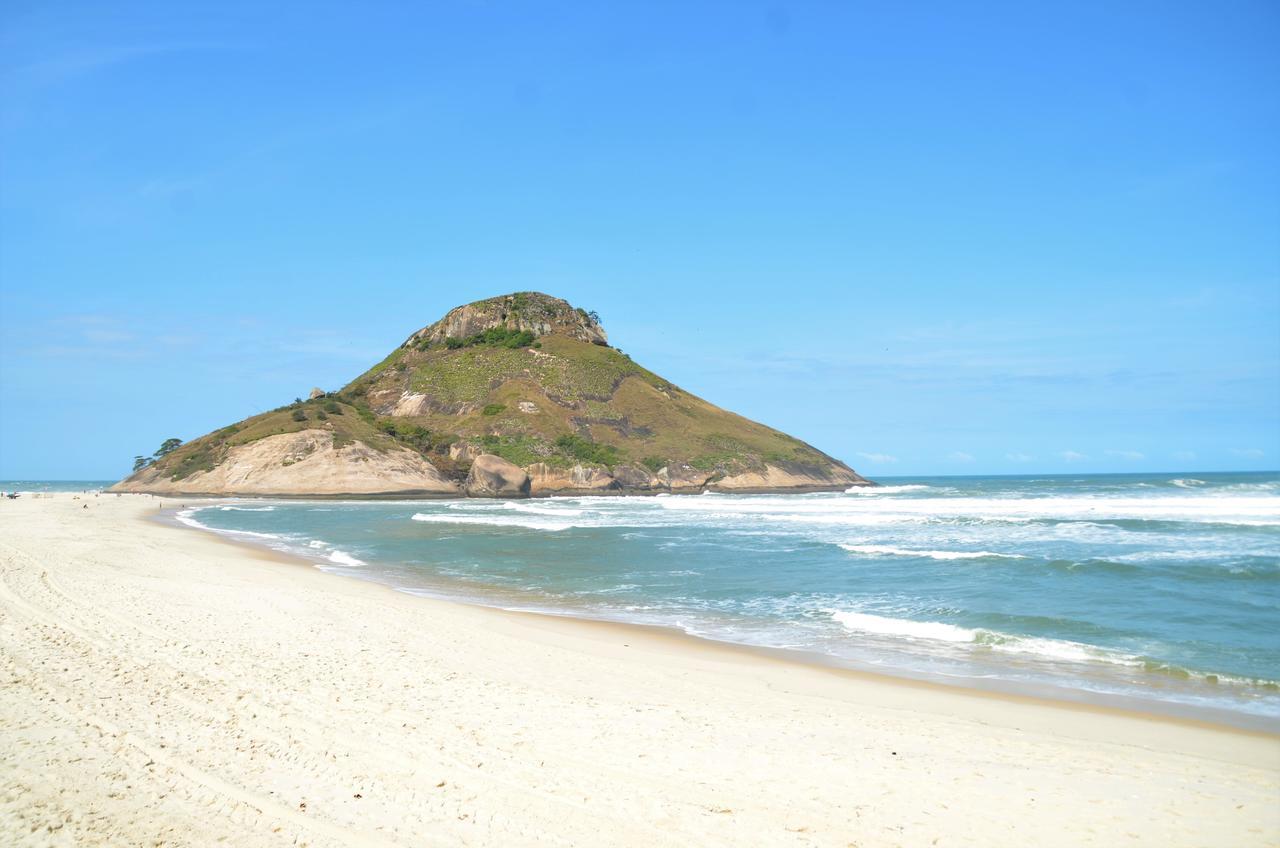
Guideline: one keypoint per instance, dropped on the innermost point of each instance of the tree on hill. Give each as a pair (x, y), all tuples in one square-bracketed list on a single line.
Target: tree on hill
[(140, 462), (168, 447)]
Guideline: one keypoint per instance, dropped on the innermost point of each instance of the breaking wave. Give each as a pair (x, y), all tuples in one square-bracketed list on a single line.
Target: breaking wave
[(1159, 586), (494, 521), (343, 558), (889, 550)]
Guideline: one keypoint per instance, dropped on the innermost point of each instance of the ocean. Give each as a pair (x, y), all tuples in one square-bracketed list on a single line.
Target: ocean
[(42, 486), (1149, 590)]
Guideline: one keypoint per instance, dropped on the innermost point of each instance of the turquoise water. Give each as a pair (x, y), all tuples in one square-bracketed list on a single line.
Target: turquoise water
[(54, 485), (1162, 587)]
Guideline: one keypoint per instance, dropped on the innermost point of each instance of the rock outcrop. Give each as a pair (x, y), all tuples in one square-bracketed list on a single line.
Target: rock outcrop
[(306, 462), (548, 480), (578, 479), (493, 477), (773, 478), (538, 313), (511, 396)]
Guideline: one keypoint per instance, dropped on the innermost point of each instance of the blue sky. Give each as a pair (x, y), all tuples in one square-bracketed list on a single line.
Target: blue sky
[(926, 237)]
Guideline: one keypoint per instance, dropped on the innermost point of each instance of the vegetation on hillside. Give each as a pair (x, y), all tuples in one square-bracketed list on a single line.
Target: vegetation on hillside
[(551, 399), (493, 337), (594, 406)]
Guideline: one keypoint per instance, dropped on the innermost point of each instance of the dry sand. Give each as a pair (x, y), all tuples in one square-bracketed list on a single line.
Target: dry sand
[(162, 687)]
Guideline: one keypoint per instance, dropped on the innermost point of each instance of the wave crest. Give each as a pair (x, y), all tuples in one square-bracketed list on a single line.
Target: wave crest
[(889, 550), (530, 523)]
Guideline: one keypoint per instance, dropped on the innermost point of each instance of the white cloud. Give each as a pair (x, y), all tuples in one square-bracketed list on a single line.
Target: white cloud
[(880, 458), (1018, 457), (960, 456), (1184, 455), (1073, 456), (1249, 453), (1126, 454)]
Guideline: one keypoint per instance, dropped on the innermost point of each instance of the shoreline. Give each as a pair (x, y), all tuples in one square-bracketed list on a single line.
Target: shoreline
[(423, 495), (167, 686), (1032, 692)]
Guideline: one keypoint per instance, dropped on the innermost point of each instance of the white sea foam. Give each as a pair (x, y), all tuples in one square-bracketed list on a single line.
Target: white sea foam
[(886, 490), (1187, 483), (249, 533), (907, 552), (494, 521), (1061, 650), (867, 623), (541, 510), (1252, 488), (343, 558), (1258, 510), (187, 517), (247, 508)]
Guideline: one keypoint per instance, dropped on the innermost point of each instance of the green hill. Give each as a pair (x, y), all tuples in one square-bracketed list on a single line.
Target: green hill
[(525, 378)]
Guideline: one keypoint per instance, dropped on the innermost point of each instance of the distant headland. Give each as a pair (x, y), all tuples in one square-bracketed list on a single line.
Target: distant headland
[(512, 396)]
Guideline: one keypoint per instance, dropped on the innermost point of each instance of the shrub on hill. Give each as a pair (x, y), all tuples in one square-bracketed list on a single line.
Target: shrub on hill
[(653, 463), (583, 450), (415, 436), (493, 337), (520, 450), (169, 446)]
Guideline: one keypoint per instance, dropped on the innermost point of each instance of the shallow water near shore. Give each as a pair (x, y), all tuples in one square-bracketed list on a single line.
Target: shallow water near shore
[(1161, 587)]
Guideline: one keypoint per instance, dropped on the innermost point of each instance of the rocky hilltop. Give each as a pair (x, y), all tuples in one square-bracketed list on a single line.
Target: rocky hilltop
[(512, 396)]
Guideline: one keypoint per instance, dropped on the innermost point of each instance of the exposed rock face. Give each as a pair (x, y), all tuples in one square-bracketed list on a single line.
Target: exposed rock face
[(493, 477), (795, 477), (463, 451), (686, 477), (409, 404), (636, 478), (305, 462), (316, 393), (538, 313), (548, 480)]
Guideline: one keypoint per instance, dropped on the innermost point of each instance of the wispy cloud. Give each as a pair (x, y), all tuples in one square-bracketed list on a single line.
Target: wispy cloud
[(1126, 454), (1249, 453), (1074, 456), (960, 456), (1019, 457), (878, 458), (1184, 455)]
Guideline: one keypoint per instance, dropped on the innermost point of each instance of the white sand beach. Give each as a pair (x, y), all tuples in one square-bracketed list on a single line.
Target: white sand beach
[(164, 687)]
